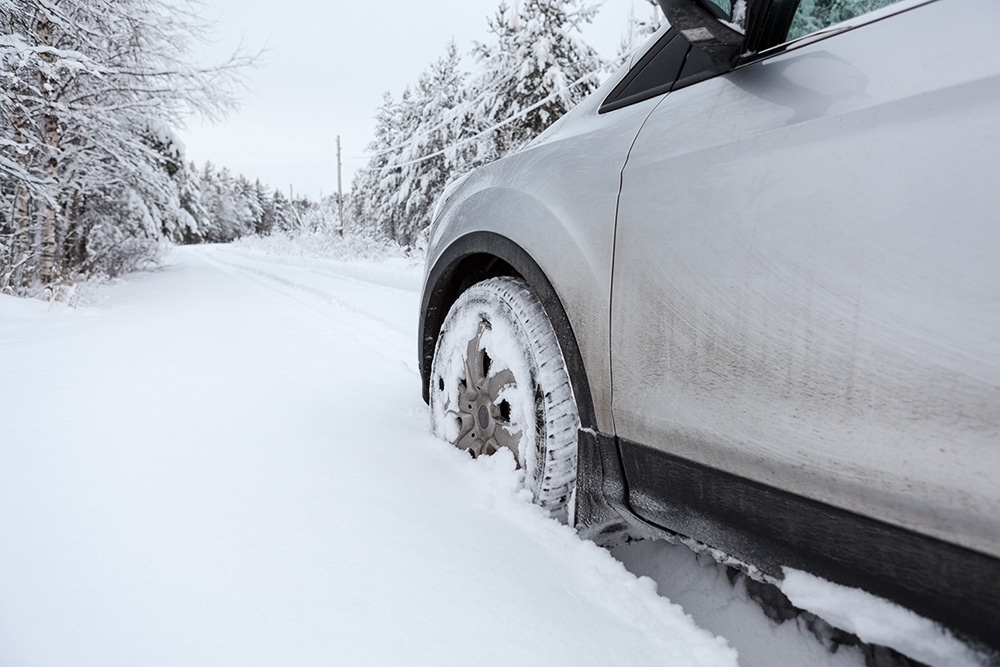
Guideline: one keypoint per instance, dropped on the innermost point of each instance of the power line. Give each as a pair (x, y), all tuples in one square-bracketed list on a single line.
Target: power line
[(426, 133), (479, 134)]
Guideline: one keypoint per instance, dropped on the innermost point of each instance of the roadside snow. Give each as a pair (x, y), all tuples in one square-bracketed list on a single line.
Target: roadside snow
[(227, 462), (877, 621), (704, 589)]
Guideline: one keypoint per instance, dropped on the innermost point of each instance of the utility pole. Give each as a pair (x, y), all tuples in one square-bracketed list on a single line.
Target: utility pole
[(340, 193), (291, 206)]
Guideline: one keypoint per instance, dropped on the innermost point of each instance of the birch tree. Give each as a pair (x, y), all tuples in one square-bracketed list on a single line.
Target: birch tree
[(88, 158)]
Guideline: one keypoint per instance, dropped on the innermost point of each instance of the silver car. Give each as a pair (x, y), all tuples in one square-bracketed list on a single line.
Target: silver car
[(748, 293)]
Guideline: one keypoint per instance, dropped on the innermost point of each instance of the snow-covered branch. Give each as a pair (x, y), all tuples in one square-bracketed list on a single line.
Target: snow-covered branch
[(90, 171), (533, 71)]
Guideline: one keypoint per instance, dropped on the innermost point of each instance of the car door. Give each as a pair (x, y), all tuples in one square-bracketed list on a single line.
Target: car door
[(807, 278)]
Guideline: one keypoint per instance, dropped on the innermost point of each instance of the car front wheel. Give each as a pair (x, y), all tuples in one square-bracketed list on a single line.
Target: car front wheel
[(499, 381)]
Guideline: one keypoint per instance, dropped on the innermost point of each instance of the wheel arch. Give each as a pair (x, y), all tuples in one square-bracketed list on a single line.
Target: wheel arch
[(480, 255)]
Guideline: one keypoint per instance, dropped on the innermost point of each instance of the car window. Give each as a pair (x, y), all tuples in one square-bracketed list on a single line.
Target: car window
[(674, 63), (722, 9), (813, 15)]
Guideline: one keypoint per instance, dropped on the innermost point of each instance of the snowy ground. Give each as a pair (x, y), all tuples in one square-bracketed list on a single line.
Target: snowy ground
[(227, 462)]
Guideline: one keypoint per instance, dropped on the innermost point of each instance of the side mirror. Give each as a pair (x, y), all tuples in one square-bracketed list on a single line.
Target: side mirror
[(709, 25)]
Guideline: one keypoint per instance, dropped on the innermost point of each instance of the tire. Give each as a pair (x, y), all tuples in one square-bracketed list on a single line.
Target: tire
[(520, 396)]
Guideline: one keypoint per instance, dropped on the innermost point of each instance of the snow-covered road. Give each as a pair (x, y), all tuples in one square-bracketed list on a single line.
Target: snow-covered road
[(227, 462)]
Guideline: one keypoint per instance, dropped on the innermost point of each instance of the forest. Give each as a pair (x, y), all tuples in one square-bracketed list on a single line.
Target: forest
[(94, 180)]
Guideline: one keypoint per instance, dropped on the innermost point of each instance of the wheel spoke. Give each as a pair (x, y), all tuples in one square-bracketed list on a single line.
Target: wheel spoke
[(457, 424), (470, 443), (502, 379), (467, 422), (474, 372), (511, 441)]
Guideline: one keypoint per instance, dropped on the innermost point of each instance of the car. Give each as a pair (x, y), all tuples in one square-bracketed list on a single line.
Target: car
[(747, 295)]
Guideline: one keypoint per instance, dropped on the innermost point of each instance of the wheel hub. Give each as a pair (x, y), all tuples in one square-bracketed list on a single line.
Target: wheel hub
[(482, 415)]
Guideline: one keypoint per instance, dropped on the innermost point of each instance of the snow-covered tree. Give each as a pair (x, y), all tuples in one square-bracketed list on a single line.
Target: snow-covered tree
[(535, 69), (91, 89), (418, 148), (279, 213), (218, 199), (378, 201), (437, 149), (191, 217), (266, 219)]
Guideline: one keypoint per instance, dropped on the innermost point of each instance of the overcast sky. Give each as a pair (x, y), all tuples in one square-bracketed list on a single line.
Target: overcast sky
[(325, 69)]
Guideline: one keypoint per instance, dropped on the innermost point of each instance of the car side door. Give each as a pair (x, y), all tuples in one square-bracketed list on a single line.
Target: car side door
[(806, 278)]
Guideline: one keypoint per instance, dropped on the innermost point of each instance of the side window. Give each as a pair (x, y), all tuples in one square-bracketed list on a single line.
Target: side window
[(813, 15), (723, 9)]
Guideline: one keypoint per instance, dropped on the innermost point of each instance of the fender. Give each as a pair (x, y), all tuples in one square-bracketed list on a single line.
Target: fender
[(601, 511), (480, 255)]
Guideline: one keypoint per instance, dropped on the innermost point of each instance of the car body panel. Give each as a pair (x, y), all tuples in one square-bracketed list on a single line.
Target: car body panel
[(569, 232), (778, 295), (807, 273)]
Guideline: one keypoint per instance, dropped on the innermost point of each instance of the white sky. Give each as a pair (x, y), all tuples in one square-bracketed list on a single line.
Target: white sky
[(326, 67)]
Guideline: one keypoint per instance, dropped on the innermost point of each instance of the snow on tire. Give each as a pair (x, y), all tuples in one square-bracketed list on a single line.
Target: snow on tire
[(499, 380)]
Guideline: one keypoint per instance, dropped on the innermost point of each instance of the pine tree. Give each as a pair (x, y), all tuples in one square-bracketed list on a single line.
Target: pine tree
[(375, 204), (191, 216), (250, 208), (280, 214), (431, 122), (418, 148), (535, 70), (262, 203)]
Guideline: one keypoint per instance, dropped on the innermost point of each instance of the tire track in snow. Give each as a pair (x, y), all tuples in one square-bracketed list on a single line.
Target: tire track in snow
[(378, 315), (374, 272)]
